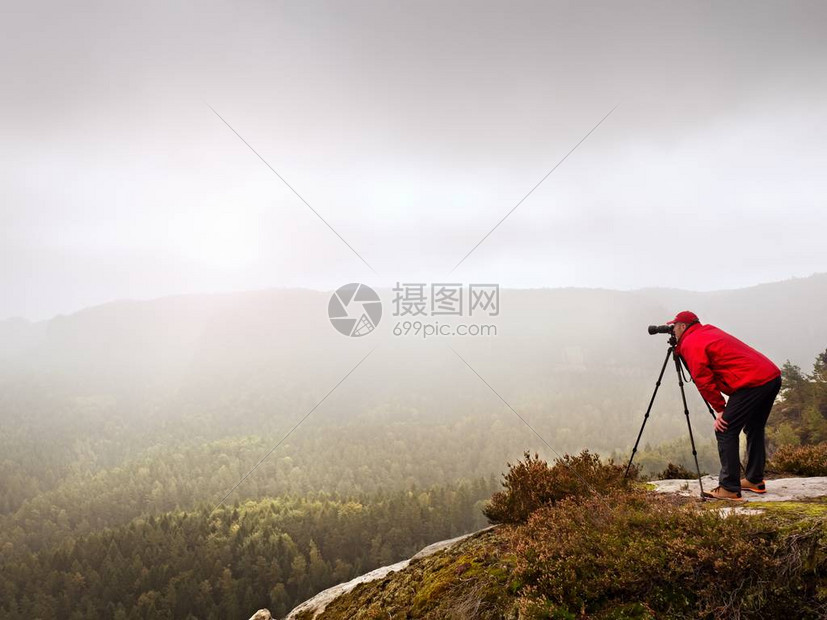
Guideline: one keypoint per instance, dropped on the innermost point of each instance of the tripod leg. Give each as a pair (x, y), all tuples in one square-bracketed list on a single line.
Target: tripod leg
[(688, 424), (648, 409), (708, 406)]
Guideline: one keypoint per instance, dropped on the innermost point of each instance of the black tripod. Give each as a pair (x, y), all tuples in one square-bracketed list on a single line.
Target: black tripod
[(679, 370)]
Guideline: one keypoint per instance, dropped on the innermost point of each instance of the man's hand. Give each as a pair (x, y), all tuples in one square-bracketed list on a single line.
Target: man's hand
[(720, 423)]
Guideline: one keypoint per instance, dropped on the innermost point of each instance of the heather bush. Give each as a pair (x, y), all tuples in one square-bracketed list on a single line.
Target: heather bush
[(801, 460), (636, 555), (531, 484), (677, 472)]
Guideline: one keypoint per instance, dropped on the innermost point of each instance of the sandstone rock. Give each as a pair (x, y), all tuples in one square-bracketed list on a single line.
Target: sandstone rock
[(778, 490)]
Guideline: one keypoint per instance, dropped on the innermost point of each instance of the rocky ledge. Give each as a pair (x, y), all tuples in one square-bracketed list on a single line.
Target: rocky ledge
[(778, 490)]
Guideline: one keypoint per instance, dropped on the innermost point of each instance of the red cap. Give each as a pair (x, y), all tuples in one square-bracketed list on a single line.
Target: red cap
[(684, 317)]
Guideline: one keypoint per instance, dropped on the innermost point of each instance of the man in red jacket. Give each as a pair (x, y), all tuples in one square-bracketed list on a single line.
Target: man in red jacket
[(720, 363)]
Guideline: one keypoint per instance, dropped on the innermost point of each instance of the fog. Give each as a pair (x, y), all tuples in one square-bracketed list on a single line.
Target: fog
[(412, 130), (198, 420)]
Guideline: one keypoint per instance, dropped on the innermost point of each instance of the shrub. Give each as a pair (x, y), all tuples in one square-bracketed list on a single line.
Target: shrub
[(595, 556), (801, 460), (531, 484), (677, 472)]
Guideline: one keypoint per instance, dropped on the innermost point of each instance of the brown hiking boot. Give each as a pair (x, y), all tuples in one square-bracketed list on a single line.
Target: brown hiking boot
[(754, 487), (722, 493)]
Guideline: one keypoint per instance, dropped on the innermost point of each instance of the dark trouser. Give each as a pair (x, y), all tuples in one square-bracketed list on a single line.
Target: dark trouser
[(747, 409)]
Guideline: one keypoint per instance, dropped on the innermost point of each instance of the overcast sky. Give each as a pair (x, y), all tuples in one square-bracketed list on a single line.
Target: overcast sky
[(412, 129)]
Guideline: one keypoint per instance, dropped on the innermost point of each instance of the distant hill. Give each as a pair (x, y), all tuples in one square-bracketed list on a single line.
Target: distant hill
[(567, 356), (188, 334), (105, 383)]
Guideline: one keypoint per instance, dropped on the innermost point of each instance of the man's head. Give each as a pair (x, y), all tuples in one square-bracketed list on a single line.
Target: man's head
[(682, 321)]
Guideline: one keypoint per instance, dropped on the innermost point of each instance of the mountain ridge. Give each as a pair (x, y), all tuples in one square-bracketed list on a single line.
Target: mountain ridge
[(217, 294)]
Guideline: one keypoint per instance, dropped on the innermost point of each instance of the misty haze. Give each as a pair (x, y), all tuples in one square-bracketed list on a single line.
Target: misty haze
[(291, 291)]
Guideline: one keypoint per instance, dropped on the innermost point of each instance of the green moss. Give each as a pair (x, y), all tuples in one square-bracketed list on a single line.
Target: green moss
[(794, 510), (433, 585), (489, 576), (470, 579)]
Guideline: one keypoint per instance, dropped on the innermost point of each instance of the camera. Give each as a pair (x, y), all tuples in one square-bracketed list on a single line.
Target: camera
[(661, 329)]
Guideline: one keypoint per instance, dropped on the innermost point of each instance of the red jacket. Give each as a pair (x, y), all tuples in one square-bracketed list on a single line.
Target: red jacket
[(719, 362)]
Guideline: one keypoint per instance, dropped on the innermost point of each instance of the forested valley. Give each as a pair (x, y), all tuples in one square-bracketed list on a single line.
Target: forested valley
[(124, 426)]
